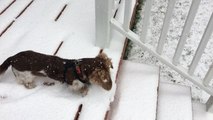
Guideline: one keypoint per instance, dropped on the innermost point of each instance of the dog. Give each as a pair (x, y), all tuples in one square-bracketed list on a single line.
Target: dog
[(78, 74)]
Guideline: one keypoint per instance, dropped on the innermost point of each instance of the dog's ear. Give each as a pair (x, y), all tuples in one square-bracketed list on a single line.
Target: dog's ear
[(108, 61), (101, 50), (101, 54)]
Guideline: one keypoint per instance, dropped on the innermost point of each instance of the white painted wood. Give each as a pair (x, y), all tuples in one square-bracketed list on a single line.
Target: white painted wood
[(135, 38), (186, 29), (103, 14), (127, 14), (209, 104), (165, 28), (209, 76), (147, 13), (202, 45)]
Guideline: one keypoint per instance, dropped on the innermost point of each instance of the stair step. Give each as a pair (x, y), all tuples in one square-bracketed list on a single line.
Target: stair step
[(200, 113), (136, 96), (174, 102)]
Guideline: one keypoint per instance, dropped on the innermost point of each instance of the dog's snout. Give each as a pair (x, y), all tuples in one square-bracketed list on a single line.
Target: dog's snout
[(107, 85)]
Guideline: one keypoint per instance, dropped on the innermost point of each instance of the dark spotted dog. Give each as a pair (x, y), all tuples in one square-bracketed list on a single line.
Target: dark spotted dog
[(78, 74)]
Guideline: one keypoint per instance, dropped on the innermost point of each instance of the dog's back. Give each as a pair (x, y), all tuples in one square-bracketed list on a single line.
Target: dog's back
[(35, 62)]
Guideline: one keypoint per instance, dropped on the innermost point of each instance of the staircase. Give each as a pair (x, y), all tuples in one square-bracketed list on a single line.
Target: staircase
[(142, 96)]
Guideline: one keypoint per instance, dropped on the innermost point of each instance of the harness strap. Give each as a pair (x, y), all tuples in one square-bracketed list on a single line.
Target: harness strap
[(77, 70)]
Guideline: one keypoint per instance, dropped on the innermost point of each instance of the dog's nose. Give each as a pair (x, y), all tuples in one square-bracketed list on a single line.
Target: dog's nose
[(107, 85)]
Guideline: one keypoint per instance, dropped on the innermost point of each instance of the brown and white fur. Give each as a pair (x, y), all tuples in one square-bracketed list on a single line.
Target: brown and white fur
[(27, 65)]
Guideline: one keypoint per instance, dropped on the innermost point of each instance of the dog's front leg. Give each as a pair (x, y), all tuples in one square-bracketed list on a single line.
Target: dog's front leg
[(78, 86)]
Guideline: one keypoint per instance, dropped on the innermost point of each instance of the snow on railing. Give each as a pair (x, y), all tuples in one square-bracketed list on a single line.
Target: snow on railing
[(105, 23)]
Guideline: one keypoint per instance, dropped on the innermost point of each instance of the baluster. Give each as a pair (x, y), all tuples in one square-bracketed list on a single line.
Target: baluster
[(202, 45), (165, 28), (187, 26), (148, 6)]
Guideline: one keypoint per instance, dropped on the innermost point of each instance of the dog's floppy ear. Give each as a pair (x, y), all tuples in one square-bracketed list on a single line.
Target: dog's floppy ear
[(103, 55), (101, 50)]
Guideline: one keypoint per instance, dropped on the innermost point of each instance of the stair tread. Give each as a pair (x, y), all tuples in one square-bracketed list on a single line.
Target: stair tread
[(136, 95), (200, 113), (174, 102)]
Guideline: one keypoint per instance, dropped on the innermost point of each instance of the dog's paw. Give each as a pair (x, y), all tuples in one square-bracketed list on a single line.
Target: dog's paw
[(29, 85), (79, 87), (2, 97), (84, 90)]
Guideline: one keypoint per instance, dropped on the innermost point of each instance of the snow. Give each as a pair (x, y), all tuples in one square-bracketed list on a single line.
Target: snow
[(4, 4), (200, 112), (176, 25), (174, 102), (136, 95), (36, 30)]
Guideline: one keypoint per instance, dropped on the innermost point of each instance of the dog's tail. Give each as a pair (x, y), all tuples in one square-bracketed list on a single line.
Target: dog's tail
[(5, 65)]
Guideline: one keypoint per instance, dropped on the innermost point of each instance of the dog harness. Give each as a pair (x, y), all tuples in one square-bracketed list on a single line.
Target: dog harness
[(75, 66)]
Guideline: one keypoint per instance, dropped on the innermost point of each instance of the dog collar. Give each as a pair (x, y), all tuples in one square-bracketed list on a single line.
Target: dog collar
[(75, 66)]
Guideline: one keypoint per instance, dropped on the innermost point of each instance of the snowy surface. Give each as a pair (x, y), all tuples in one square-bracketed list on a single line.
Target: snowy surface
[(200, 112), (174, 102), (136, 95), (36, 30), (176, 25)]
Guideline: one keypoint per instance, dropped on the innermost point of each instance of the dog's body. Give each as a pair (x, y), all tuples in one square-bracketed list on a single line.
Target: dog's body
[(76, 73)]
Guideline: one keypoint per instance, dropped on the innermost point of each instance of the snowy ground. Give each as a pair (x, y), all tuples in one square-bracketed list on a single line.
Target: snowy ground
[(176, 26), (36, 29), (138, 95)]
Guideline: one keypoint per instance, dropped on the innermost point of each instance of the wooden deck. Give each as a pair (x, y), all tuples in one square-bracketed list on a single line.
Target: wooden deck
[(64, 28)]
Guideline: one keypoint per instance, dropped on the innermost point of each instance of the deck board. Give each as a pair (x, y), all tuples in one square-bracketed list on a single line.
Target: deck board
[(4, 4), (11, 13), (36, 29)]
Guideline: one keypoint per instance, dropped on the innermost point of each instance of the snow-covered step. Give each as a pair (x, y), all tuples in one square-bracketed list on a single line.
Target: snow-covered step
[(136, 96), (200, 113), (174, 102)]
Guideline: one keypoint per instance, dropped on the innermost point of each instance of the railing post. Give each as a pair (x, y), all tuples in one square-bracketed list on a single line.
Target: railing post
[(103, 14), (147, 14), (164, 31), (209, 105), (127, 15)]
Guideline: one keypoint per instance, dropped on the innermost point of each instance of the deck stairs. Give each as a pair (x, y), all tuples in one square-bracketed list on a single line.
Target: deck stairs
[(142, 96)]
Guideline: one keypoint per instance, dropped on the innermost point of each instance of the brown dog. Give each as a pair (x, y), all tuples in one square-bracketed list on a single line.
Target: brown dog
[(76, 73)]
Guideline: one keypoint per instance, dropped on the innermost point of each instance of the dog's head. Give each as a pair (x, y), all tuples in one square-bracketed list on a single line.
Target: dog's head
[(106, 60), (101, 76)]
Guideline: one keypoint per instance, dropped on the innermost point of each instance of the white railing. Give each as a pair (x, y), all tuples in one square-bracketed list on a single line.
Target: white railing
[(105, 23)]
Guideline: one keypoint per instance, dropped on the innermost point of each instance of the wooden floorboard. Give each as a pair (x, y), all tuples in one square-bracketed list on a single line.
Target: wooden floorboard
[(33, 28), (7, 7)]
